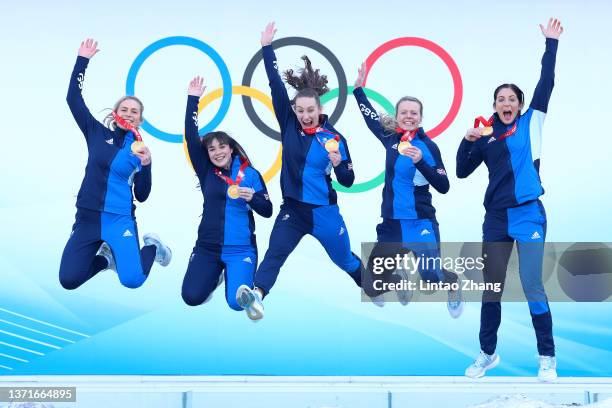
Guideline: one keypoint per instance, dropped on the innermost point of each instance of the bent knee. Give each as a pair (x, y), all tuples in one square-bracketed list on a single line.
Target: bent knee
[(133, 282), (195, 299), (234, 305), (69, 282)]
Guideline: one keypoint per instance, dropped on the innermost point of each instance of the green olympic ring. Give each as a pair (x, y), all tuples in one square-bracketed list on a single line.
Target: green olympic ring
[(388, 106)]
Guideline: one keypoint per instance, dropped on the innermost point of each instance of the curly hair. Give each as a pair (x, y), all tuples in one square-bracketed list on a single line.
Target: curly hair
[(308, 82)]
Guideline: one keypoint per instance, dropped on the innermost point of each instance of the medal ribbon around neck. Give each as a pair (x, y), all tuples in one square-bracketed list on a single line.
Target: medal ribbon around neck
[(330, 144), (232, 191), (136, 145), (509, 132), (407, 135), (127, 125)]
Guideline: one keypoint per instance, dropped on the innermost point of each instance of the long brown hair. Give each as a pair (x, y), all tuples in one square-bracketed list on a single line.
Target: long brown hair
[(308, 82)]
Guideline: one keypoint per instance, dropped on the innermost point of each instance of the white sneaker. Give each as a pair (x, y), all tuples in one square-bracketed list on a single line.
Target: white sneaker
[(163, 254), (250, 300), (548, 369), (455, 303), (403, 296), (379, 300), (106, 252), (483, 363)]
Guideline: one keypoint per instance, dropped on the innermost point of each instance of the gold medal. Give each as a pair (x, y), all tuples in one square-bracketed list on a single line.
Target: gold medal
[(486, 131), (331, 145), (137, 146), (232, 191), (403, 146)]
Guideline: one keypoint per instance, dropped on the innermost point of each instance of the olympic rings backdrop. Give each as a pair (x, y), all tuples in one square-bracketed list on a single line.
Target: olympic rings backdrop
[(315, 323)]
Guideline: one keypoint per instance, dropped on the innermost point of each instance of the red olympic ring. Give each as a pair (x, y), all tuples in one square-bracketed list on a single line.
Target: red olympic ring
[(444, 56)]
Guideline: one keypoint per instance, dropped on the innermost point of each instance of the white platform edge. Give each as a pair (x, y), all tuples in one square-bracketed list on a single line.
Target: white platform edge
[(312, 383)]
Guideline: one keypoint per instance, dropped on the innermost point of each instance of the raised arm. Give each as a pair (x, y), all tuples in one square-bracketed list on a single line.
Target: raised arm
[(76, 103), (199, 158), (543, 90), (280, 98), (365, 107)]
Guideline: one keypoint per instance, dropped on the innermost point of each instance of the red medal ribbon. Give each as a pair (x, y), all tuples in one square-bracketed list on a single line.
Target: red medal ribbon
[(509, 132), (480, 120), (407, 135), (311, 131), (127, 125), (319, 129), (244, 163)]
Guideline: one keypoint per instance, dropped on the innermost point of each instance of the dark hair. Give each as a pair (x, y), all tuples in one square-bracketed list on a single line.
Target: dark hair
[(224, 138), (309, 82), (515, 89)]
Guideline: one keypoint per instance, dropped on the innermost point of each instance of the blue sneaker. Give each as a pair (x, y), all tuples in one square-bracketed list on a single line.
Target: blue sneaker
[(163, 254), (250, 300), (107, 253)]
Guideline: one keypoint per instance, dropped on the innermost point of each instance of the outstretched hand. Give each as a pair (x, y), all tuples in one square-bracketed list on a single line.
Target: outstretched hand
[(361, 74), (267, 35), (196, 87), (88, 48), (553, 30)]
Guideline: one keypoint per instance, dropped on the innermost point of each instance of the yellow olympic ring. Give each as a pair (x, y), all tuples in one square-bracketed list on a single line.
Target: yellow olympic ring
[(246, 91)]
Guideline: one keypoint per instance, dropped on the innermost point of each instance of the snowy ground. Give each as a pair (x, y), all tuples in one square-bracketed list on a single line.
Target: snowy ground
[(503, 401), (522, 401)]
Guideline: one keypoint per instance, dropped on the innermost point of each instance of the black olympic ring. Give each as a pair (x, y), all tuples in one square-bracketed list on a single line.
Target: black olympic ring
[(304, 42)]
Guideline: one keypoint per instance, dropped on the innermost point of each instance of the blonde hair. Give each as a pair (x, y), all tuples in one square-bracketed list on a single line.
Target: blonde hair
[(389, 123), (109, 121)]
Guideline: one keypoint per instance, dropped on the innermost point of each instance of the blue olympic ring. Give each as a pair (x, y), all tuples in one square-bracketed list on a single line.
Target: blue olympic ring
[(206, 49)]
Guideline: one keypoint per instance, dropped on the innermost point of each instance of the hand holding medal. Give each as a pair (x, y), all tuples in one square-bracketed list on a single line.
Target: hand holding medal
[(138, 147), (246, 193), (138, 144), (487, 130), (404, 144), (332, 145), (414, 153), (233, 191)]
